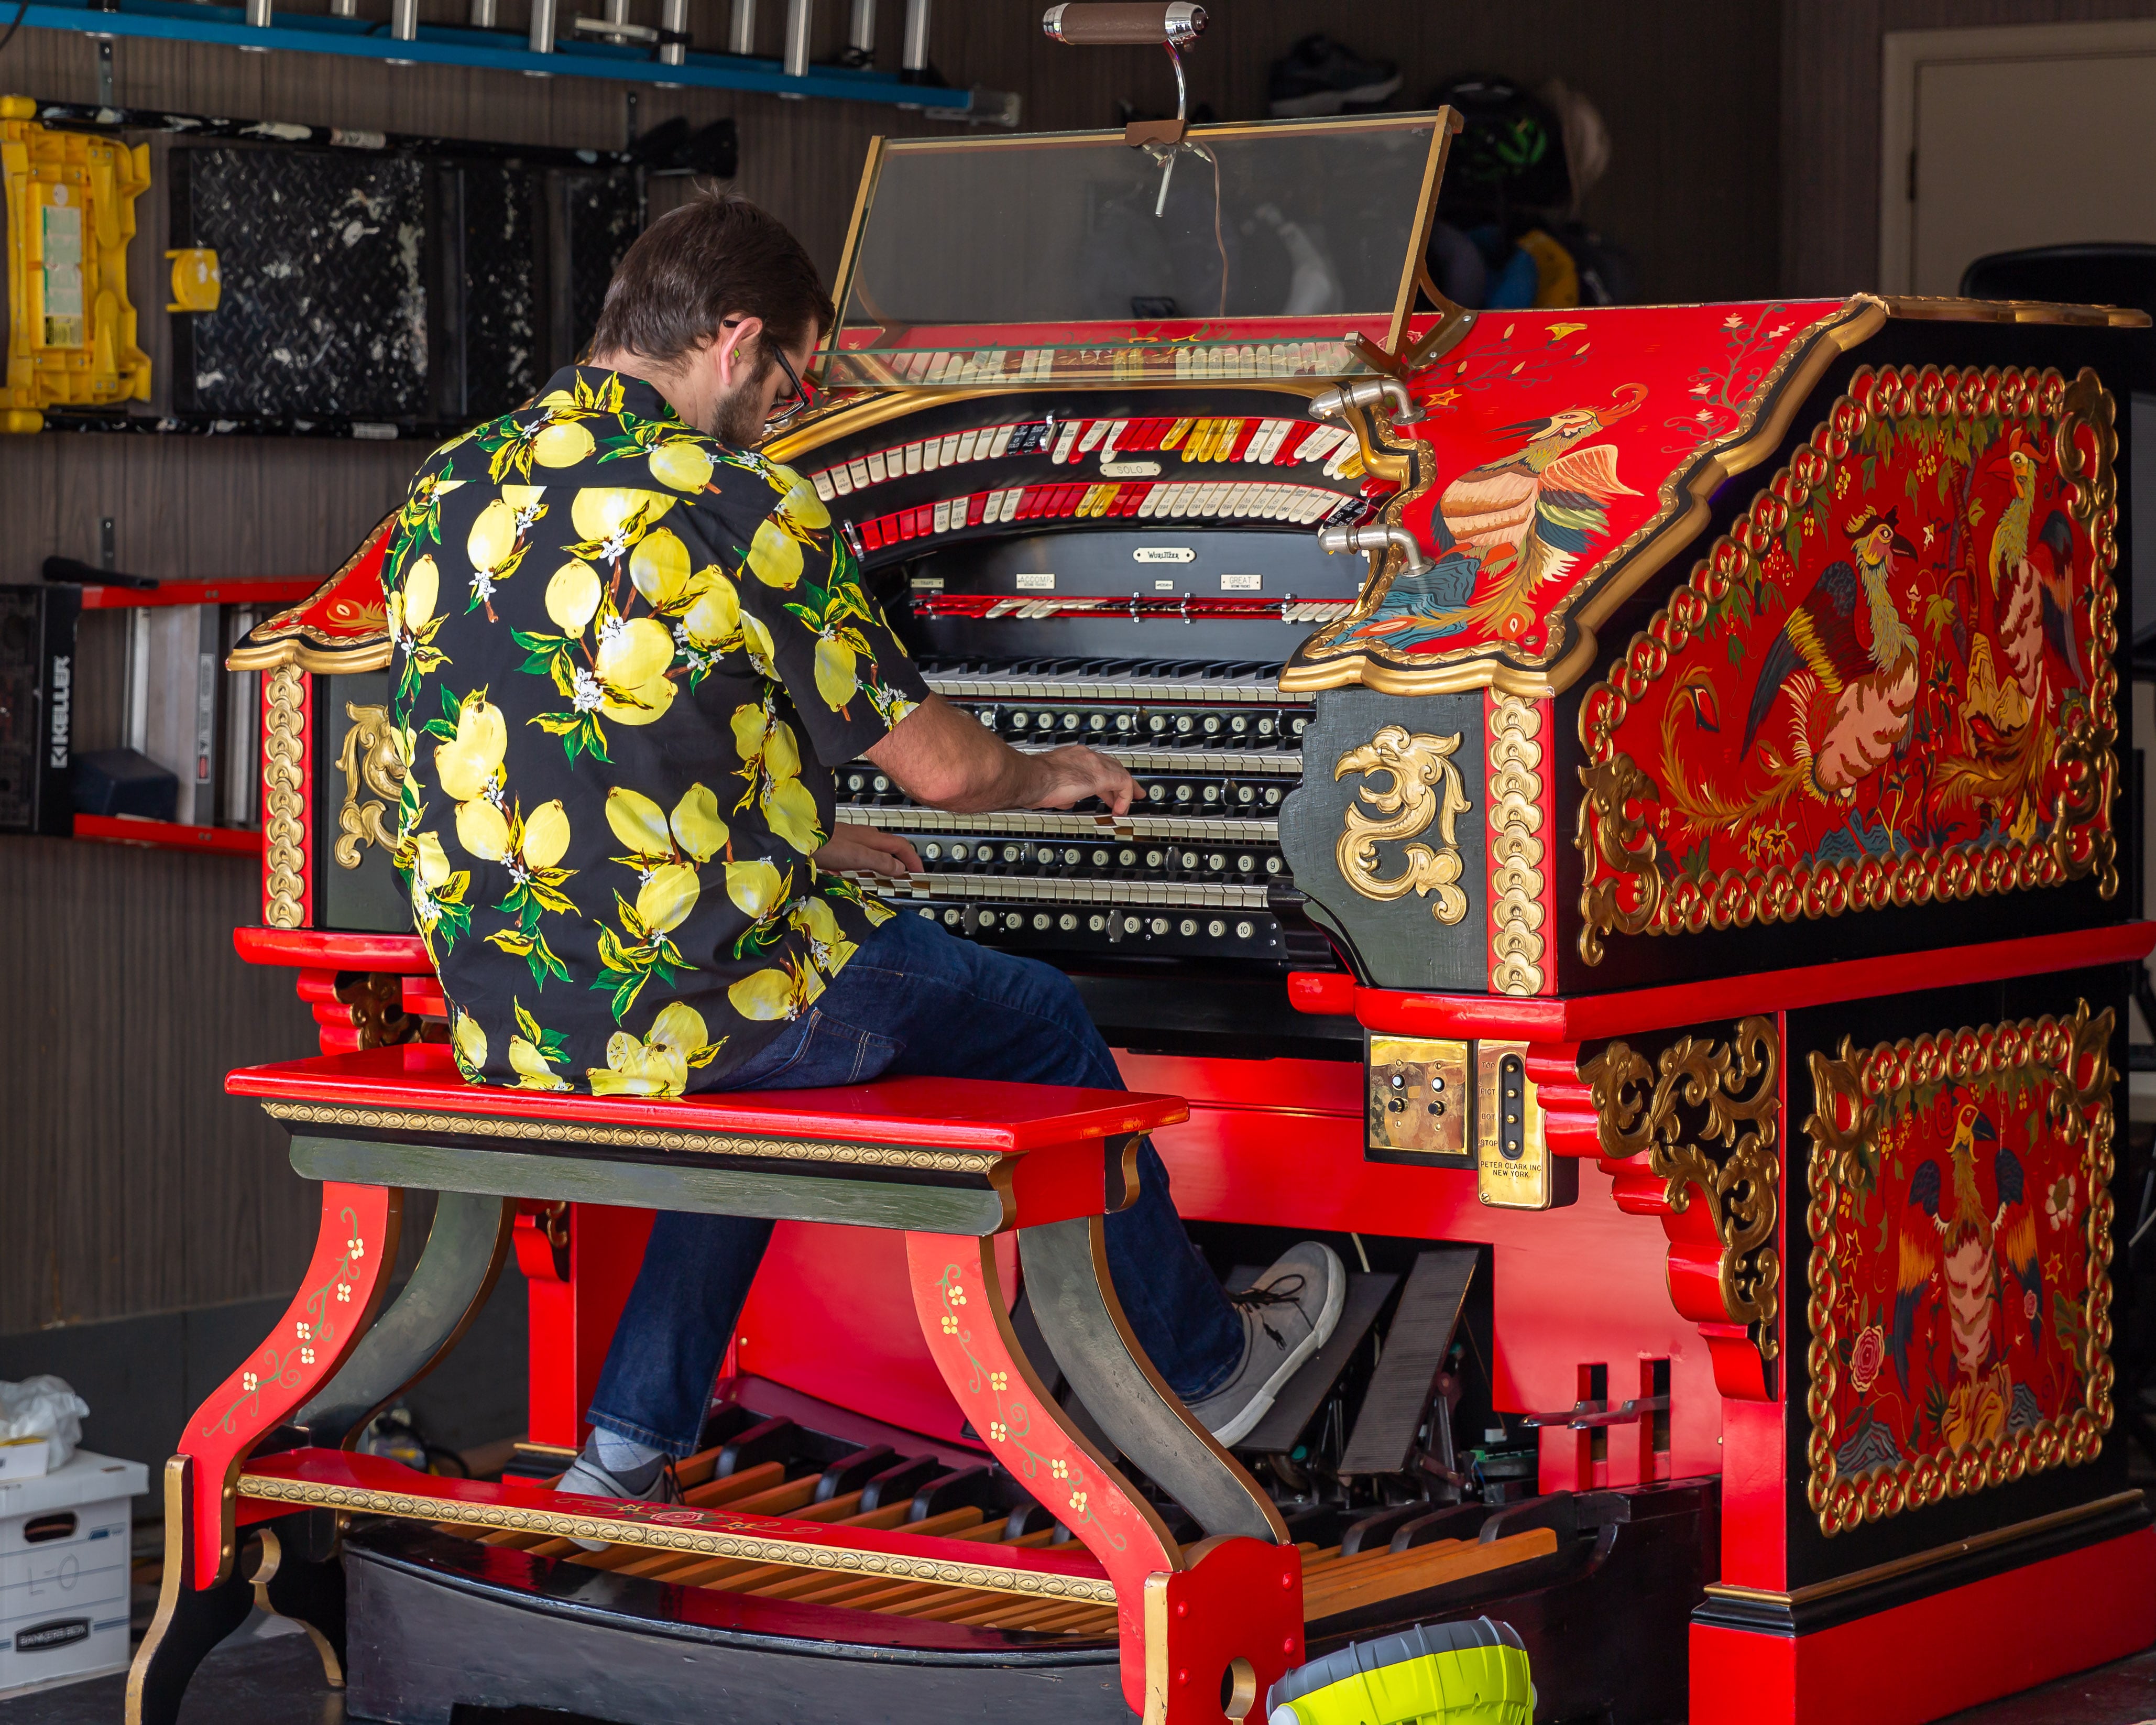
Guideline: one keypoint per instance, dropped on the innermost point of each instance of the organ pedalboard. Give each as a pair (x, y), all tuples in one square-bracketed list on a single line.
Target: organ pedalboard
[(1132, 579)]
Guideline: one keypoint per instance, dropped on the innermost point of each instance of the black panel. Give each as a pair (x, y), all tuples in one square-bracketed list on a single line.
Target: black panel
[(505, 359), (366, 897), (325, 306), (36, 706), (1812, 1556), (597, 218), (1397, 943)]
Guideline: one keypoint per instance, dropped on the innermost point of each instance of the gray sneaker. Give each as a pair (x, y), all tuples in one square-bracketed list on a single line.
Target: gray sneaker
[(1288, 1314), (586, 1478)]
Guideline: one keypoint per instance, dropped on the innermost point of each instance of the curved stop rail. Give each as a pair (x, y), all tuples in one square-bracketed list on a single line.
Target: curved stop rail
[(953, 1163)]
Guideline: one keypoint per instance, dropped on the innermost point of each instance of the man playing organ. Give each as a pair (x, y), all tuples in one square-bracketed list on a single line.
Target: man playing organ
[(631, 652)]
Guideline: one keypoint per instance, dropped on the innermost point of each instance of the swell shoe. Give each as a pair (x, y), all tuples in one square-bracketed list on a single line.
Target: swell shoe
[(652, 1481), (1288, 1314)]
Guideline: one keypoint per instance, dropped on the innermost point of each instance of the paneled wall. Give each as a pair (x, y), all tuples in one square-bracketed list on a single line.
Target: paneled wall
[(128, 1182), (1832, 52)]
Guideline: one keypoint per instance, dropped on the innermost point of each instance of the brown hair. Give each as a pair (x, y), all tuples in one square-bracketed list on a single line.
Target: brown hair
[(717, 256)]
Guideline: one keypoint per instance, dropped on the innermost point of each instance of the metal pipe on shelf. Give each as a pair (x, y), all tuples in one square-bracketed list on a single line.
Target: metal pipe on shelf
[(674, 18), (913, 56), (541, 39), (258, 13), (800, 21), (741, 31), (482, 16), (404, 21), (344, 8), (861, 33)]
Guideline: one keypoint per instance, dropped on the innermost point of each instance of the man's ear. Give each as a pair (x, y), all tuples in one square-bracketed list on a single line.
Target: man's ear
[(733, 349)]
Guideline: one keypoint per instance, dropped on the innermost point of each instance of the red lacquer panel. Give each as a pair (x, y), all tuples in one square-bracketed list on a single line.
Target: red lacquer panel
[(1890, 683), (1960, 1295)]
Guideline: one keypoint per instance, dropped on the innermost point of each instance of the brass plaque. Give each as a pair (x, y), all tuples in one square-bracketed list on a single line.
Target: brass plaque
[(1513, 1168), (1420, 1101)]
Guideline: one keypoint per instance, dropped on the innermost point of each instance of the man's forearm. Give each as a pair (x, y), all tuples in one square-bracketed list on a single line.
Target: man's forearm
[(946, 759)]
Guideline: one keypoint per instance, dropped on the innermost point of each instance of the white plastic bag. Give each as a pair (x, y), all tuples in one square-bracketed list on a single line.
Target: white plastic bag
[(44, 1407)]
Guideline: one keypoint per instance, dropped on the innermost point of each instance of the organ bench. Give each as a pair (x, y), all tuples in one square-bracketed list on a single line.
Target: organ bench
[(263, 1474)]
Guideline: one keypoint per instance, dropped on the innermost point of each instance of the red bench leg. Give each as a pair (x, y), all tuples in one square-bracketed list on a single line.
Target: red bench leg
[(201, 1599), (1237, 1611)]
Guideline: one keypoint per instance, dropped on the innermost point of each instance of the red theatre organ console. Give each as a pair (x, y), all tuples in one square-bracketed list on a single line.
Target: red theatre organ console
[(1631, 849)]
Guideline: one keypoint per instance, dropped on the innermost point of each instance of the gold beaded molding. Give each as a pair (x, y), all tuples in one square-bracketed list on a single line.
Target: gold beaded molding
[(836, 1559), (283, 774), (621, 1137), (1516, 845)]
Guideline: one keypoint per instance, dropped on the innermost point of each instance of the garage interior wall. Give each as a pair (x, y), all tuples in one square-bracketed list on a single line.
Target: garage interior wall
[(1831, 104), (132, 1184)]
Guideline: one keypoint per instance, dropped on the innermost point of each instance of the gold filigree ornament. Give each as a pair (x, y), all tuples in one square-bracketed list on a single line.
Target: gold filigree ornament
[(1425, 788), (1624, 857), (2068, 1063), (1733, 1089), (371, 763), (284, 771), (1516, 845)]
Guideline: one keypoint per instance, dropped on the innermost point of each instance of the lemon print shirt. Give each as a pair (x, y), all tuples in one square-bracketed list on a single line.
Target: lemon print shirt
[(626, 659)]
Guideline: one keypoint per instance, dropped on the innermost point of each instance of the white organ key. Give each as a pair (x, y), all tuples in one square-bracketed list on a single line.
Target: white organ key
[(1011, 500), (1266, 445), (1336, 464), (1182, 362), (1115, 429), (937, 366), (1247, 361), (943, 516), (1151, 501), (966, 441), (1321, 443), (1096, 429), (948, 451), (824, 488), (932, 456), (879, 468), (1002, 441), (1269, 502), (912, 454), (842, 478), (1235, 502), (1063, 439)]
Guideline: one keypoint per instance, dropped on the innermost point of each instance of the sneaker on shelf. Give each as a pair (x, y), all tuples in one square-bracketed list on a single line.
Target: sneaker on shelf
[(653, 1483), (1319, 76), (1288, 1314)]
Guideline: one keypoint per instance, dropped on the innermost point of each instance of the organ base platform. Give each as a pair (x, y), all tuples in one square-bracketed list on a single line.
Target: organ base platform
[(1598, 1585)]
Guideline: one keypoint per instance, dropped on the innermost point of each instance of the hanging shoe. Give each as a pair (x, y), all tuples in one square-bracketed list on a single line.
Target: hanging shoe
[(1288, 1314), (1319, 76)]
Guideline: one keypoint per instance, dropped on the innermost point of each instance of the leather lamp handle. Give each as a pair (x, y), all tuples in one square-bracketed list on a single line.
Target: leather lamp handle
[(1104, 24)]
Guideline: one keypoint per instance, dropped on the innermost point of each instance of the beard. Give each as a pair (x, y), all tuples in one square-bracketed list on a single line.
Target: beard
[(738, 416)]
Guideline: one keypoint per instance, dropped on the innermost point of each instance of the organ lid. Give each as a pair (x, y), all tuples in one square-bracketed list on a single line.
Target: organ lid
[(1250, 251)]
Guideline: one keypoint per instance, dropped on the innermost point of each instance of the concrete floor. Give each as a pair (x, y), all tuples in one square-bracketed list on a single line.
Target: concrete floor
[(276, 1680)]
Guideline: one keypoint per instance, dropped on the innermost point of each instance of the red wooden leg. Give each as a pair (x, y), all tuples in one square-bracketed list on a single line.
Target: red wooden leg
[(1227, 1615), (959, 1300), (337, 1299)]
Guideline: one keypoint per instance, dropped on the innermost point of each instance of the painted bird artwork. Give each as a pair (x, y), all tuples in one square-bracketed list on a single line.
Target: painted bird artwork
[(1948, 1233), (1529, 514), (1840, 680), (2030, 583)]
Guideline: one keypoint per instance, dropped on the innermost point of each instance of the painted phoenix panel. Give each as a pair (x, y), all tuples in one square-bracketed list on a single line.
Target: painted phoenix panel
[(1960, 1297), (1890, 683)]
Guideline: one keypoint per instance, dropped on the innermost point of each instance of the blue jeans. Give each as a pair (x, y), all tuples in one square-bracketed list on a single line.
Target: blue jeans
[(913, 999)]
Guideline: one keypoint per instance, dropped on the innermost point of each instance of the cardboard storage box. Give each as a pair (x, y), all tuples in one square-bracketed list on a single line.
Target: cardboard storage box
[(64, 1560)]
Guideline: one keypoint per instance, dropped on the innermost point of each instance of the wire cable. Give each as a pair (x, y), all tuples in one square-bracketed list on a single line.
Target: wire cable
[(22, 11)]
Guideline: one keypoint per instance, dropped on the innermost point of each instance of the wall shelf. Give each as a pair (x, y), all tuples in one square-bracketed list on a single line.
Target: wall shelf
[(169, 835), (507, 51)]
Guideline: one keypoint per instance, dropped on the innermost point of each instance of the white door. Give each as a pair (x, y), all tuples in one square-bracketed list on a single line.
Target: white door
[(1996, 139)]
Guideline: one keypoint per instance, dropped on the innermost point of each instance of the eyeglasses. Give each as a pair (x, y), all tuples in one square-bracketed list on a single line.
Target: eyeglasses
[(798, 397)]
